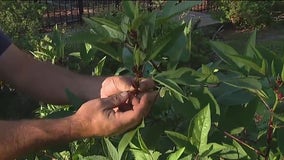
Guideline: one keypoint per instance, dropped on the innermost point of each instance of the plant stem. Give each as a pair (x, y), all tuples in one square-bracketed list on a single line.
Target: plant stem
[(270, 129), (265, 104), (242, 142)]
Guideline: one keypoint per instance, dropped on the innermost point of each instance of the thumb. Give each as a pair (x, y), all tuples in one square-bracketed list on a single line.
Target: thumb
[(116, 99)]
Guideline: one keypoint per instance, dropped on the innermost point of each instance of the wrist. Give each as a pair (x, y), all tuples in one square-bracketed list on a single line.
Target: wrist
[(78, 128), (75, 127)]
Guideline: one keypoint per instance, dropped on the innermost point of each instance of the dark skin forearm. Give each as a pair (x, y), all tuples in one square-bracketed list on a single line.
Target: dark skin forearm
[(21, 137), (48, 82)]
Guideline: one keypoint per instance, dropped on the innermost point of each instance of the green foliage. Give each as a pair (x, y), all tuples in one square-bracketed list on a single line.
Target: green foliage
[(22, 21), (220, 110), (246, 14)]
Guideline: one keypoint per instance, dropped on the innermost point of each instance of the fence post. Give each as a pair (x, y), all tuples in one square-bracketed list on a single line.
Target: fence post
[(81, 11)]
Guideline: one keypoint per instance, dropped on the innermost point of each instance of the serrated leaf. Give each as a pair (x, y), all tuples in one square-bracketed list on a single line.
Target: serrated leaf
[(199, 128), (176, 155), (113, 153), (181, 141)]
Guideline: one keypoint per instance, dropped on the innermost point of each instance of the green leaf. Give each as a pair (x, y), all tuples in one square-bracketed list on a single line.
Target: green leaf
[(230, 95), (251, 50), (280, 139), (129, 8), (251, 44), (99, 68), (127, 58), (83, 37), (93, 157), (142, 144), (113, 29), (245, 83), (210, 149), (113, 153), (264, 67), (107, 49), (176, 51), (225, 52), (170, 85), (139, 57), (237, 130), (106, 22), (171, 8), (232, 152), (248, 62), (176, 155), (199, 128), (97, 28), (125, 140), (115, 34), (282, 73), (141, 155), (174, 73), (181, 141), (163, 41)]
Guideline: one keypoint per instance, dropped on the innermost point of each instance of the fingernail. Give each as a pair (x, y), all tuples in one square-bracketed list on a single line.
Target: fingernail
[(124, 94)]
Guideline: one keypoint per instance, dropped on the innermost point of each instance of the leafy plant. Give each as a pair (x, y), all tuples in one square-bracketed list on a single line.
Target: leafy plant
[(246, 14), (22, 22), (226, 109)]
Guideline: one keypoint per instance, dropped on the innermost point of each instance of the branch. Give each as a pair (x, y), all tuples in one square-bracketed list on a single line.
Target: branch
[(242, 142)]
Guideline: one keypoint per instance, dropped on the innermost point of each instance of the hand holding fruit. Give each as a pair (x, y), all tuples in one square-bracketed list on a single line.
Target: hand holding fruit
[(100, 117)]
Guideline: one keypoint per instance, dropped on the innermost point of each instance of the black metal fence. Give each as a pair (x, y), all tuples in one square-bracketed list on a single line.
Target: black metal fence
[(71, 11)]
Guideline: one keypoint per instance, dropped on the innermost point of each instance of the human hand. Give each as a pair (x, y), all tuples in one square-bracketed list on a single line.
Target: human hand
[(116, 84), (101, 117)]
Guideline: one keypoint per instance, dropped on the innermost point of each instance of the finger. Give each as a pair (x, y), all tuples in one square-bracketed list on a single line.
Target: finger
[(132, 118), (144, 101), (123, 83), (146, 84), (115, 100)]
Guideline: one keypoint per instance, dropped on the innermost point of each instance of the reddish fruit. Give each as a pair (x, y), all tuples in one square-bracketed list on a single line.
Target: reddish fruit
[(280, 96), (125, 107)]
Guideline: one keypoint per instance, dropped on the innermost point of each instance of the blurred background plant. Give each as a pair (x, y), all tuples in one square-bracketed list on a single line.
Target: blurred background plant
[(246, 14), (22, 21)]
